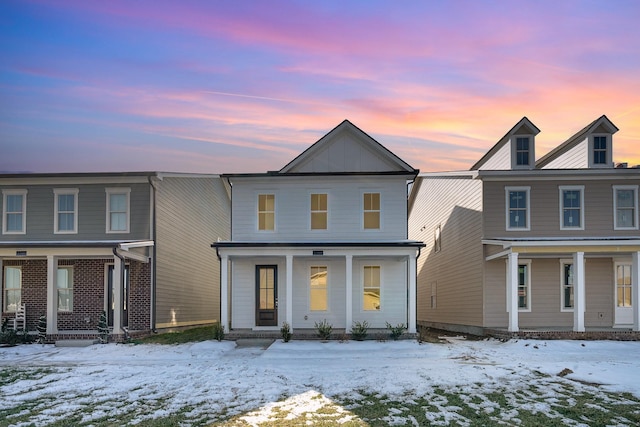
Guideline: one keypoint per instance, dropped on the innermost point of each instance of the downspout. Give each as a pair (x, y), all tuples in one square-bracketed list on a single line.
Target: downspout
[(153, 256)]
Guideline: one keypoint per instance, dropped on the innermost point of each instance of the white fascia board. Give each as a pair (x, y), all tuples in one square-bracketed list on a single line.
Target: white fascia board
[(536, 243)]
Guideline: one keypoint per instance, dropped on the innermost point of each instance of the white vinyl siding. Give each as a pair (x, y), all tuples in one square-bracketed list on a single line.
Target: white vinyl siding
[(118, 211), (625, 207), (64, 283), (518, 209), (65, 220), (571, 207), (12, 288), (14, 211)]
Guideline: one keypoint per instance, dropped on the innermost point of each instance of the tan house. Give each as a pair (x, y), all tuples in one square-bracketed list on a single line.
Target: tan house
[(515, 244)]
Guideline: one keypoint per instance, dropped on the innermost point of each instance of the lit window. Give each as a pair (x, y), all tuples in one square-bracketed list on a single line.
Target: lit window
[(318, 289), (266, 211), (14, 211), (118, 210), (66, 210), (318, 211), (600, 150), (371, 204), (567, 286), (65, 288), (371, 296), (571, 207), (12, 288), (517, 208), (522, 151), (625, 205), (623, 285)]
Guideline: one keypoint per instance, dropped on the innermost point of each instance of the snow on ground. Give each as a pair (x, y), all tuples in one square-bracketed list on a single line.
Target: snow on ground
[(219, 378)]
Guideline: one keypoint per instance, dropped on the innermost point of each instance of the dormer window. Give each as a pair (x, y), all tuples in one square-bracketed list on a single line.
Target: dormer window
[(599, 150), (523, 151)]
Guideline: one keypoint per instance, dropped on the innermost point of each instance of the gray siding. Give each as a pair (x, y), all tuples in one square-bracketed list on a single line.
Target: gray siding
[(191, 213), (454, 203), (575, 158), (292, 196), (91, 213)]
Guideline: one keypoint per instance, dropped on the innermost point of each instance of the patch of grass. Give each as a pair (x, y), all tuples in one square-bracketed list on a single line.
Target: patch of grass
[(11, 375), (202, 333)]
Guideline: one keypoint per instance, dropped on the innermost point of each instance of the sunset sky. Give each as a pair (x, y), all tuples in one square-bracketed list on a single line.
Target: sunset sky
[(240, 86)]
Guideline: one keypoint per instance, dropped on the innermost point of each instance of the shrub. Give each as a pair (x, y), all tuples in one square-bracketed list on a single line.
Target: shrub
[(324, 329), (359, 330), (218, 331), (285, 331), (396, 331)]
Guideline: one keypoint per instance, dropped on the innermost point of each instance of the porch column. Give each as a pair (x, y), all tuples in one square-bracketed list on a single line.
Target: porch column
[(512, 291), (224, 292), (52, 295), (578, 292), (289, 285), (411, 327), (117, 295), (635, 289), (349, 293)]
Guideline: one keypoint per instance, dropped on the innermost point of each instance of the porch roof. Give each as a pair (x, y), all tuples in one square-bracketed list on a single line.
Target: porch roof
[(331, 244), (550, 246)]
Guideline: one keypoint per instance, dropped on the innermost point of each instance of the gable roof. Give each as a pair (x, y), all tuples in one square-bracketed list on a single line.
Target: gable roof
[(601, 124), (330, 155), (524, 122)]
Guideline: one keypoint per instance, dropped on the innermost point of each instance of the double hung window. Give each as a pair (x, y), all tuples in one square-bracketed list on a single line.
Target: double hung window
[(118, 210), (566, 271), (600, 150), (318, 300), (371, 288), (523, 152), (319, 211), (14, 211), (625, 206), (65, 288), (518, 211), (12, 288), (266, 212), (371, 208), (572, 208), (66, 210)]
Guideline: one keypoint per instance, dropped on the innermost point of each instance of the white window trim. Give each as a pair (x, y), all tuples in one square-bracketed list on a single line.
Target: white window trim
[(328, 309), (65, 191), (591, 144), (362, 211), (514, 151), (118, 190), (318, 230), (6, 193), (527, 190), (561, 189), (615, 207), (70, 268), (616, 264), (4, 289), (563, 309), (275, 210), (382, 305), (526, 262)]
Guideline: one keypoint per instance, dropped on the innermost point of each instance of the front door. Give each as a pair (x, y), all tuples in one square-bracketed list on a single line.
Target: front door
[(266, 295), (111, 296), (623, 308)]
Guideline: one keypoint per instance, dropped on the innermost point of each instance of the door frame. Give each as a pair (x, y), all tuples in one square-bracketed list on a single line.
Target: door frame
[(622, 317), (126, 285), (266, 317)]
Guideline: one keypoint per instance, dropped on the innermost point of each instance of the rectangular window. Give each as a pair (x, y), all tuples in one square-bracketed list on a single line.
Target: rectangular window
[(12, 288), (319, 211), (522, 151), (118, 210), (567, 285), (14, 211), (266, 211), (625, 205), (371, 295), (623, 285), (318, 289), (65, 288), (524, 289), (66, 210), (600, 150), (371, 205), (517, 201), (571, 208)]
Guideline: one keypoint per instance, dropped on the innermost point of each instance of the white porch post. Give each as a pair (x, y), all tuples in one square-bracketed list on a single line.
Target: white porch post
[(635, 290), (117, 295), (411, 327), (289, 285), (578, 292), (349, 292), (224, 292), (512, 291), (52, 295)]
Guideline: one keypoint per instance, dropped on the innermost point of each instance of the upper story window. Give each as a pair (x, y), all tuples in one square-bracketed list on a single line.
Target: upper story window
[(12, 288), (371, 288), (371, 208), (318, 300), (319, 211), (64, 284), (65, 218), (572, 207), (266, 211), (518, 211), (600, 150), (523, 151), (14, 211), (625, 207), (118, 209)]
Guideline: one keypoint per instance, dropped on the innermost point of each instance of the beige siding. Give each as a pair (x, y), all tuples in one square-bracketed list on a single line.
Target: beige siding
[(575, 158), (191, 213), (545, 209), (453, 203)]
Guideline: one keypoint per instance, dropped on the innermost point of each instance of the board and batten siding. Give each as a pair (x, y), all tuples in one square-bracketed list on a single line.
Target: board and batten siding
[(345, 208), (191, 213), (545, 209), (577, 157), (92, 205), (455, 272)]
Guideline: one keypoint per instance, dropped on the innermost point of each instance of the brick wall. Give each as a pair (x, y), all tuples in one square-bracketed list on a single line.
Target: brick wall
[(139, 296), (88, 295), (34, 289)]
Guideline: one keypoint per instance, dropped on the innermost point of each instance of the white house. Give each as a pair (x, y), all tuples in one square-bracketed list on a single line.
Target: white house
[(325, 237)]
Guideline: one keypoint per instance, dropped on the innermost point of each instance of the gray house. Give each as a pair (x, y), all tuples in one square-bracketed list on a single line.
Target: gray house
[(516, 244), (131, 244)]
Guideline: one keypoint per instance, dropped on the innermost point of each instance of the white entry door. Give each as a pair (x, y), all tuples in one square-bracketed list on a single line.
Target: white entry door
[(623, 308)]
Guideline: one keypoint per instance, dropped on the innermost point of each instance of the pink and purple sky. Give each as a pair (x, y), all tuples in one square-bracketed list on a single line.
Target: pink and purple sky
[(239, 86)]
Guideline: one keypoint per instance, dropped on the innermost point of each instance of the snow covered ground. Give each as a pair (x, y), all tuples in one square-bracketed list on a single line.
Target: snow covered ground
[(217, 379)]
